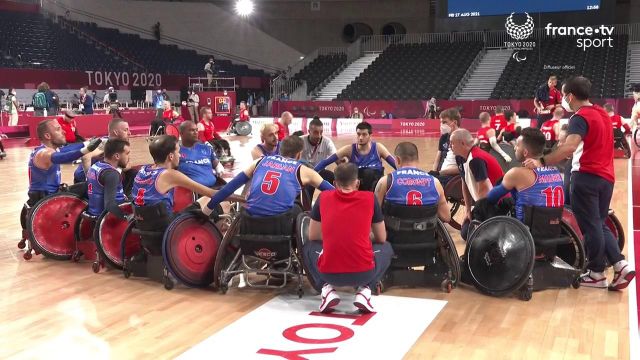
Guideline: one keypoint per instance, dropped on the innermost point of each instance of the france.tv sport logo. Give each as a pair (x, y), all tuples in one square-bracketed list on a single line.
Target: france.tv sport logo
[(588, 41), (519, 32)]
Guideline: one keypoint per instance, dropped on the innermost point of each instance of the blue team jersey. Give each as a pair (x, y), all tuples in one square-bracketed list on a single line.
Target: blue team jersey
[(267, 153), (546, 191), (95, 189), (412, 186), (197, 163), (144, 189), (43, 180), (371, 160), (274, 186)]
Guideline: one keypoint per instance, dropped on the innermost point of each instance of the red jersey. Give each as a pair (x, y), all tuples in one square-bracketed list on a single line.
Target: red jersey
[(482, 135), (498, 122), (346, 249), (555, 97), (510, 128), (595, 156), (69, 129), (283, 131), (616, 121), (244, 115), (209, 133), (547, 130)]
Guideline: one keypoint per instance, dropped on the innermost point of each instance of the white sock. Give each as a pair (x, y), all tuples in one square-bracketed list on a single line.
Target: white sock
[(619, 265)]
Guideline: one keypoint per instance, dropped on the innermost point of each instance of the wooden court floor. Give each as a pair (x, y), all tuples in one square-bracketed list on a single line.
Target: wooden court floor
[(51, 309)]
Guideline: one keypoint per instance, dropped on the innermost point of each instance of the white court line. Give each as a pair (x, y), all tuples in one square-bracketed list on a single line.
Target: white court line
[(634, 336)]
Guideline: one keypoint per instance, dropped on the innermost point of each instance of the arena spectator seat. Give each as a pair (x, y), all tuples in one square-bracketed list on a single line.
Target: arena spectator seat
[(32, 41), (414, 71), (605, 66), (320, 70)]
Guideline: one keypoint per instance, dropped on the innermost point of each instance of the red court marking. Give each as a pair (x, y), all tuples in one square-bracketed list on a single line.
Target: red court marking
[(635, 184)]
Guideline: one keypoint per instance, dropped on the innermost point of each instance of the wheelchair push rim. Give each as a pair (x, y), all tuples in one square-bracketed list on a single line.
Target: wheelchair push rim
[(190, 247), (108, 236), (500, 256)]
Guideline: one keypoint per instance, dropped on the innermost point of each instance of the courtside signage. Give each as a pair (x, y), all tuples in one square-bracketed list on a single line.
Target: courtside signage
[(290, 328)]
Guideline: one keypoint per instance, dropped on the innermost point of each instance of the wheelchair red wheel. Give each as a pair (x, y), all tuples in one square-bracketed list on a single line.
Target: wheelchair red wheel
[(52, 223), (172, 130), (108, 236), (574, 253), (190, 247), (182, 198)]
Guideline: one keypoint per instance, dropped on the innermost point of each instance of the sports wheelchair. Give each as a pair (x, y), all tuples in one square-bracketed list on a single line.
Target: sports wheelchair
[(621, 148), (164, 128), (241, 128), (419, 239), (504, 255), (262, 246), (49, 222), (173, 247)]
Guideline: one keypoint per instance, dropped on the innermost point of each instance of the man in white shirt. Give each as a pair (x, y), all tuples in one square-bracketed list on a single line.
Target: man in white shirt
[(193, 102), (315, 149)]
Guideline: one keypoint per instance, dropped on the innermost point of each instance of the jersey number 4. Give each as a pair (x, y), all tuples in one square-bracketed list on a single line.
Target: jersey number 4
[(139, 200), (414, 198), (554, 196), (270, 182)]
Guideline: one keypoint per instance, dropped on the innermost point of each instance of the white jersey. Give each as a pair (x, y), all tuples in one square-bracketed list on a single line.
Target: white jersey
[(313, 154)]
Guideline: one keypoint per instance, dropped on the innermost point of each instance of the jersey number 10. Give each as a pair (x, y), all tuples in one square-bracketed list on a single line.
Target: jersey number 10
[(554, 196)]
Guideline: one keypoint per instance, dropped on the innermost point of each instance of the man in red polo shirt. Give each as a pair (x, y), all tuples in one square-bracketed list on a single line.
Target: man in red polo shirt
[(206, 128), (479, 170), (68, 124), (547, 98), (589, 139), (340, 255), (283, 125)]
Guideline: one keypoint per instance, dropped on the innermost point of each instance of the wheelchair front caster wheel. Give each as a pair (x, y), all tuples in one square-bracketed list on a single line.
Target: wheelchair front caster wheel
[(22, 244), (27, 255), (168, 283), (576, 283), (126, 273), (300, 293), (95, 266), (446, 286), (224, 288), (76, 256), (526, 294)]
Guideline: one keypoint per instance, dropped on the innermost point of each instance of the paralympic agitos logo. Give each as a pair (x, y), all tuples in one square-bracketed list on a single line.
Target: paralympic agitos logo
[(519, 32)]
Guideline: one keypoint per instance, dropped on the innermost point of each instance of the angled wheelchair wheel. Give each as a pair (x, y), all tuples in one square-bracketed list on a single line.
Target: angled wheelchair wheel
[(636, 136), (302, 236), (182, 198), (613, 223), (449, 253), (172, 130), (226, 253), (453, 194), (52, 224), (108, 235), (242, 128), (84, 229), (574, 253), (500, 256), (190, 246)]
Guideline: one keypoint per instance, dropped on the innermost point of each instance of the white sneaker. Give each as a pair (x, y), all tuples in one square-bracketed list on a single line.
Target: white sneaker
[(363, 300), (330, 298), (622, 275), (593, 279)]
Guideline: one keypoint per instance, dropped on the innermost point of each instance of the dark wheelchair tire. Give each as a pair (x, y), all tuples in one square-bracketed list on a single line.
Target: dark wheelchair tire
[(225, 255), (300, 240)]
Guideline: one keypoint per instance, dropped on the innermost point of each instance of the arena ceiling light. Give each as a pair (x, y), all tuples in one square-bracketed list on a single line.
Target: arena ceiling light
[(244, 7)]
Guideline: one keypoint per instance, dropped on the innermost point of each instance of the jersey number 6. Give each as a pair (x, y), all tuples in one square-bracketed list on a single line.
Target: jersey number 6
[(414, 198)]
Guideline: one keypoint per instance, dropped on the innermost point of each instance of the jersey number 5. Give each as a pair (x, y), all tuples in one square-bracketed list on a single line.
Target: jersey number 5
[(554, 196), (139, 200), (414, 198), (270, 182)]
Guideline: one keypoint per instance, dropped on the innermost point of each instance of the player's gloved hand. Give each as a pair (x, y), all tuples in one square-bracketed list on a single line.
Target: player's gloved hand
[(91, 145), (507, 158), (434, 173)]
